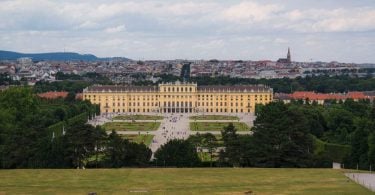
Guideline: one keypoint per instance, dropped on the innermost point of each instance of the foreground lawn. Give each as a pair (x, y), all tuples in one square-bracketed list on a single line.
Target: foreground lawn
[(214, 117), (131, 126), (178, 181), (216, 126), (146, 139), (138, 117)]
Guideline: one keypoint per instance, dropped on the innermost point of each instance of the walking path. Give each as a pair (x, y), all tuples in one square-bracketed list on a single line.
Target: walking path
[(365, 179), (174, 126)]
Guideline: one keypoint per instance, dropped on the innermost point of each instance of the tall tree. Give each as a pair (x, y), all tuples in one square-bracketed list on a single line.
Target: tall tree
[(281, 137), (210, 143), (232, 145), (80, 143), (180, 153)]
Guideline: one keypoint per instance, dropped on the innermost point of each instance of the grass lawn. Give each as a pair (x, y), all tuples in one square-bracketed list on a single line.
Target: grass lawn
[(214, 117), (216, 126), (146, 139), (138, 117), (131, 126), (177, 181)]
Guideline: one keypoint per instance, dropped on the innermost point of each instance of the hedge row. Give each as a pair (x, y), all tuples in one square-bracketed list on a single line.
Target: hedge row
[(333, 152), (58, 127)]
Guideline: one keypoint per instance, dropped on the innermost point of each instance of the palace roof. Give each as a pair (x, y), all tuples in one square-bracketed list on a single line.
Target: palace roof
[(208, 88), (241, 88), (119, 88)]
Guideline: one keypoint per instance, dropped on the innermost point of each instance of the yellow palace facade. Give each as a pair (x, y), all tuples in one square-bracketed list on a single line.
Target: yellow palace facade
[(178, 98)]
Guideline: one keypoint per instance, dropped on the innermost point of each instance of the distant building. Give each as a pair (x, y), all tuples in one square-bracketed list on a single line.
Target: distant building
[(178, 98), (25, 61), (286, 60), (53, 95), (320, 98)]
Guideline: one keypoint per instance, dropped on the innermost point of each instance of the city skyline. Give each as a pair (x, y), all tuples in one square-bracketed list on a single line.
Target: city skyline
[(162, 30)]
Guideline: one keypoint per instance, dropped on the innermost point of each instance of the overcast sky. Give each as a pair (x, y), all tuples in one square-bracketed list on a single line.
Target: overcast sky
[(326, 30)]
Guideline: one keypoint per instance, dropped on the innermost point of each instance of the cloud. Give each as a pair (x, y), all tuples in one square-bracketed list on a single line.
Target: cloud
[(336, 20), (250, 12), (189, 29), (115, 29)]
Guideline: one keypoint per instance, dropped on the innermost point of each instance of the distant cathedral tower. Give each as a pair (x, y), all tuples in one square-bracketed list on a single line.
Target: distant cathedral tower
[(286, 60), (288, 56)]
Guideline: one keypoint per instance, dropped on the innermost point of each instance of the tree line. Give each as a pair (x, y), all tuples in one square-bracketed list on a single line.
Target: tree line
[(287, 135), (283, 135)]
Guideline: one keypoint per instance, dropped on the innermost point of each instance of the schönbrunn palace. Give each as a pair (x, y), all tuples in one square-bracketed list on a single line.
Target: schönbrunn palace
[(178, 97)]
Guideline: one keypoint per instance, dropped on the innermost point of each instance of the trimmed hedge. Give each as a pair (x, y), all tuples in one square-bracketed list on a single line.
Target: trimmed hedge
[(330, 151), (57, 127)]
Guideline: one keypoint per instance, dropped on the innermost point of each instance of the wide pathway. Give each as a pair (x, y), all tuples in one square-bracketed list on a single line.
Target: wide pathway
[(174, 126)]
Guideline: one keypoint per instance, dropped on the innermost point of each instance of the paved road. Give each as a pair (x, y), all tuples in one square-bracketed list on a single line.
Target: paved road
[(365, 179)]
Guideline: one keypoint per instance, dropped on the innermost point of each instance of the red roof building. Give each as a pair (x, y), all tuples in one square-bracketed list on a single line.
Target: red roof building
[(321, 97), (53, 95)]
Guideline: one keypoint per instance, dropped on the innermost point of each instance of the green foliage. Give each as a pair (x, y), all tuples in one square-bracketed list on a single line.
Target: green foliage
[(281, 137), (120, 152), (205, 141), (5, 79), (323, 84), (371, 151), (71, 83), (180, 153), (69, 86), (328, 152)]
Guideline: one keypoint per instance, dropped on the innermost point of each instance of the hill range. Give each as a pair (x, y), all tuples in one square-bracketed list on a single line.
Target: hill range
[(54, 56)]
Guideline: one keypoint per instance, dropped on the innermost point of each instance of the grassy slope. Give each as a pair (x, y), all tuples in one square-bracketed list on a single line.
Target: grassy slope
[(178, 181)]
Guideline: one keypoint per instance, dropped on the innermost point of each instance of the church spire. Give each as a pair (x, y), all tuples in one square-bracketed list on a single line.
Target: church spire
[(288, 57)]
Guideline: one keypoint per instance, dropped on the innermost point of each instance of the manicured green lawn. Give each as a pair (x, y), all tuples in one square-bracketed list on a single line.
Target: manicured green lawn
[(216, 126), (138, 117), (146, 139), (214, 117), (178, 181), (131, 126)]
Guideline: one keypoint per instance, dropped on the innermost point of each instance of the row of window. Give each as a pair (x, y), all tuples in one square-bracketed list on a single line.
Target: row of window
[(147, 97), (170, 110), (179, 104), (178, 89), (134, 104)]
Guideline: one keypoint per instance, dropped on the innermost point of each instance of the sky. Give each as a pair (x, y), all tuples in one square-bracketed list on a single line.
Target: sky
[(315, 30)]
